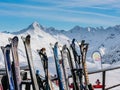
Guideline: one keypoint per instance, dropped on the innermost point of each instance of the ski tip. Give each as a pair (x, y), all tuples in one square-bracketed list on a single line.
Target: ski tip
[(56, 44), (83, 41), (15, 38), (68, 41), (73, 40), (9, 39), (64, 47), (51, 45), (2, 47), (43, 49), (8, 46), (27, 39), (79, 43), (28, 36), (60, 47), (23, 38), (38, 50)]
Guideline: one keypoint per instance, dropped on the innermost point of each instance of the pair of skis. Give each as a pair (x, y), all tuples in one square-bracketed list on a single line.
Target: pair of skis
[(44, 59), (13, 71), (79, 69), (66, 57), (58, 68), (26, 42), (6, 53), (83, 50), (72, 68), (76, 70)]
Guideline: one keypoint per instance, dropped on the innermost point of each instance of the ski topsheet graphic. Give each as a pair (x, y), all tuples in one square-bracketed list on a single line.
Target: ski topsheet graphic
[(72, 69), (16, 66), (6, 53), (64, 66), (44, 60), (84, 48), (27, 45), (77, 61), (59, 73)]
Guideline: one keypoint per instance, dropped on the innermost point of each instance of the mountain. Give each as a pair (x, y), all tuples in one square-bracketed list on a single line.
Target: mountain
[(105, 40), (39, 39), (34, 26)]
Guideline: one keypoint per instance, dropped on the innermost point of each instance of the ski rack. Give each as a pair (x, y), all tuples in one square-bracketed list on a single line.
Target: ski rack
[(2, 72), (103, 76)]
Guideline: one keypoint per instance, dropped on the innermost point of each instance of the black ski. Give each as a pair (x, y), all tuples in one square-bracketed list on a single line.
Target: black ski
[(73, 70), (44, 60), (77, 63)]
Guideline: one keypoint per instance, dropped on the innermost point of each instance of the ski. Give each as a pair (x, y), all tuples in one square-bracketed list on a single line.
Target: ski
[(75, 54), (64, 63), (16, 66), (58, 69), (83, 49), (6, 53), (27, 45), (44, 60), (77, 63), (75, 83)]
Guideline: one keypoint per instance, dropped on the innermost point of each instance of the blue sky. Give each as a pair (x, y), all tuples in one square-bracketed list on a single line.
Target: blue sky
[(61, 14)]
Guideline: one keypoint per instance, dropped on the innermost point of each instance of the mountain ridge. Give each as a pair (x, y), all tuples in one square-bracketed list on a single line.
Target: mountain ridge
[(35, 24), (99, 38)]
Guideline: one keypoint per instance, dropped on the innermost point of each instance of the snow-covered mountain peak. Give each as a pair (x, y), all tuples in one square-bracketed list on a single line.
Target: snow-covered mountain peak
[(97, 37), (35, 25), (83, 29), (76, 28), (51, 28)]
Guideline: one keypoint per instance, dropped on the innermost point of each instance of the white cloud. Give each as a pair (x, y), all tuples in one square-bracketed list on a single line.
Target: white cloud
[(12, 5), (83, 3), (35, 9), (62, 14)]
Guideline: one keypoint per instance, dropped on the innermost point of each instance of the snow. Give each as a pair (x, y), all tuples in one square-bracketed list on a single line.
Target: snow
[(104, 40)]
